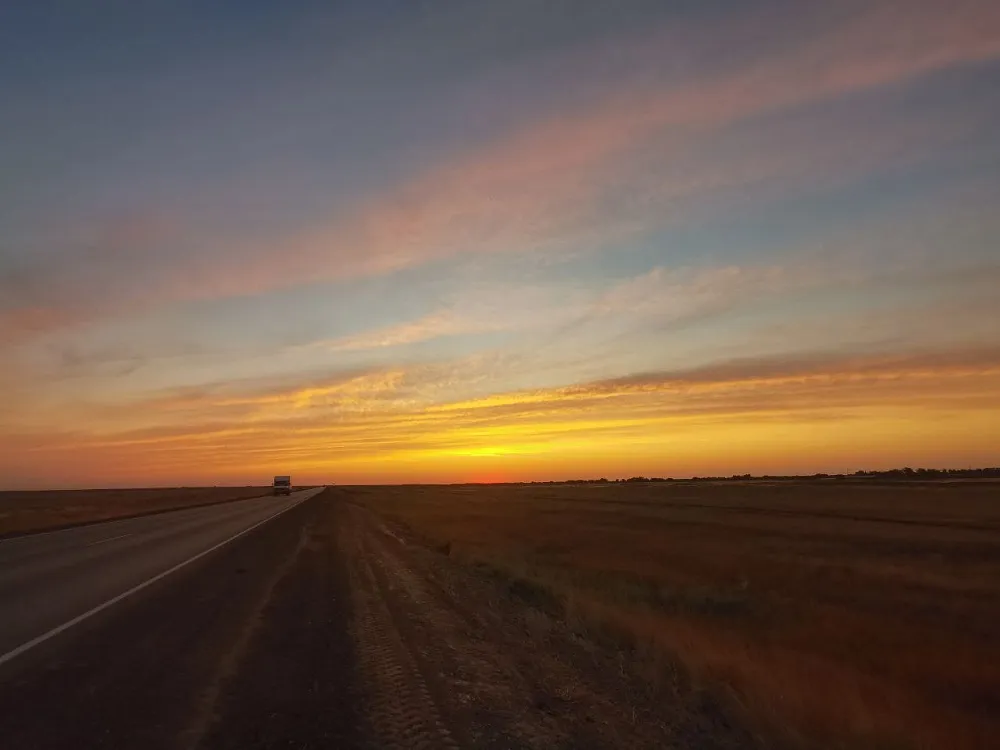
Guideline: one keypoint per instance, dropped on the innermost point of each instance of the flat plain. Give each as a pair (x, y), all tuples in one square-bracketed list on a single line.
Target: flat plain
[(30, 511), (851, 613)]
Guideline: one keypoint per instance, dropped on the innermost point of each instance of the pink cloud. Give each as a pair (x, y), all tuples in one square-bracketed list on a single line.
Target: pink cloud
[(540, 189), (537, 189)]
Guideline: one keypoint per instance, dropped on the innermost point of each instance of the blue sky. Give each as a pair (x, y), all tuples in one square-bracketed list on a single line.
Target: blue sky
[(280, 224)]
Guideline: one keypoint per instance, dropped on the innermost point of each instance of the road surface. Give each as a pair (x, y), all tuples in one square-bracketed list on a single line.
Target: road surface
[(50, 579), (81, 665)]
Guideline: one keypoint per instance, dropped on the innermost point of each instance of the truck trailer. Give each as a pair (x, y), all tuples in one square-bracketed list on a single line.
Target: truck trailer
[(282, 485)]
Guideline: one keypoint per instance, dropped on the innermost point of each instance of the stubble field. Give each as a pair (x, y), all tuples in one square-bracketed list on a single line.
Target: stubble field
[(29, 511), (846, 613)]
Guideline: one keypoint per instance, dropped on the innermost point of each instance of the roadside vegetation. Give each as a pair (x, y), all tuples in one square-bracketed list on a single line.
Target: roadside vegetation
[(23, 512), (853, 614)]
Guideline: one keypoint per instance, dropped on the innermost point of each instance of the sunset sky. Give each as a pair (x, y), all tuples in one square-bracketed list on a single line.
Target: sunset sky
[(394, 241)]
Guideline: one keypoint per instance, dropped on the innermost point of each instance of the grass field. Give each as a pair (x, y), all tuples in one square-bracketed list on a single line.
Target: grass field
[(852, 614), (46, 509)]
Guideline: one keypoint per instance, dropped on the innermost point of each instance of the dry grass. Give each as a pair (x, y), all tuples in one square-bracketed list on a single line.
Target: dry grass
[(854, 614), (47, 509)]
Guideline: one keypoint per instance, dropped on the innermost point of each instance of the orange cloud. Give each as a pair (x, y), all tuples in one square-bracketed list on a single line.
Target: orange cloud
[(381, 422)]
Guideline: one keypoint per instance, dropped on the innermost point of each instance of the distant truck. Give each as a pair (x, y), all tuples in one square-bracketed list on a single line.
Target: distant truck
[(282, 485)]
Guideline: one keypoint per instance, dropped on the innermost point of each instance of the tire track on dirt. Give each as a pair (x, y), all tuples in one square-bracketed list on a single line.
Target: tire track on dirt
[(401, 712), (477, 691)]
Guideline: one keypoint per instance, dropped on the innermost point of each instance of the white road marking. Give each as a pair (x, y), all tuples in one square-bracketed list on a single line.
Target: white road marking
[(114, 600), (109, 539)]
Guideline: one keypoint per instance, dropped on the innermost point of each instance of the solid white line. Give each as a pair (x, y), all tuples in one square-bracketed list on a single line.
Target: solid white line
[(109, 539), (114, 600)]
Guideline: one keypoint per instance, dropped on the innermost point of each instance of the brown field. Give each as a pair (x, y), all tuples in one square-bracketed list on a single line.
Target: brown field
[(849, 614), (22, 512)]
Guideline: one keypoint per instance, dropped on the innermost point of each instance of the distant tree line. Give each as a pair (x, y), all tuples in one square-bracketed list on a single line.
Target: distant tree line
[(906, 473), (605, 480)]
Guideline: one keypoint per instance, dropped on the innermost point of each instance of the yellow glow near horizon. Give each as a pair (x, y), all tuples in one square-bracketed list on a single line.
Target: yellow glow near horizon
[(638, 434)]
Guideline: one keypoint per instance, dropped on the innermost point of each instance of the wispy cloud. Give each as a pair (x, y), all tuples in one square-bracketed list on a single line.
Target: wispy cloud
[(432, 326), (541, 188), (398, 415), (682, 292)]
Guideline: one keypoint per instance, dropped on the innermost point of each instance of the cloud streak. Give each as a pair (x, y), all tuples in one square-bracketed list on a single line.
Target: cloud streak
[(540, 189), (391, 413)]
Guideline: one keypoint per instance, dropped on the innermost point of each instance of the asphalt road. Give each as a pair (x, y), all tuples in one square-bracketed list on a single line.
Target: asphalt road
[(48, 580), (123, 634)]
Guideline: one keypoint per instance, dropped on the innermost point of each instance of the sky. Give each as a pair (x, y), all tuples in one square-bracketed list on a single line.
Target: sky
[(446, 240)]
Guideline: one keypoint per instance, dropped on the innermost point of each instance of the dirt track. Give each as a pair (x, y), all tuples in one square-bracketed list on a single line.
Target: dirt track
[(329, 628)]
